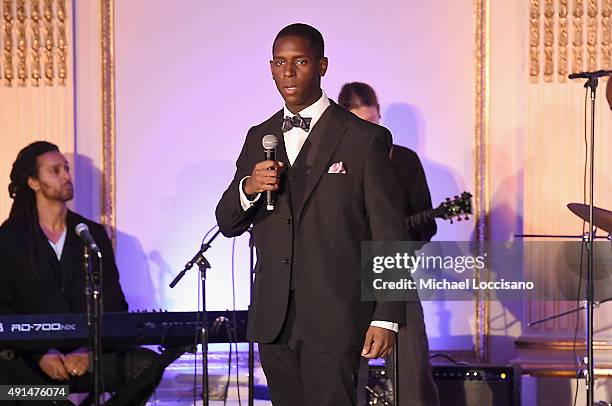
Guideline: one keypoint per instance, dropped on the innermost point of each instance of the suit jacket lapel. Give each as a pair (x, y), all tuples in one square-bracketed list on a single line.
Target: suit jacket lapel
[(72, 255), (331, 128), (275, 128), (47, 261)]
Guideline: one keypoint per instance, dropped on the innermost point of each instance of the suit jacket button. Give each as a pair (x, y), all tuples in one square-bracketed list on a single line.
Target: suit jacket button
[(286, 261), (288, 221)]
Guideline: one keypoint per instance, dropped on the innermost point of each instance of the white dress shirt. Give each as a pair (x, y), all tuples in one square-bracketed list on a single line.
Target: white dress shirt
[(294, 140)]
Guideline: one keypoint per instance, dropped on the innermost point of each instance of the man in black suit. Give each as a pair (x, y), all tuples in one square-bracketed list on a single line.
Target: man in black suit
[(41, 272), (333, 184), (415, 381)]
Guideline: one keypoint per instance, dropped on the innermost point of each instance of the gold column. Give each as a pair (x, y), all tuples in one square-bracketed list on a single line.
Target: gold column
[(482, 164), (108, 117)]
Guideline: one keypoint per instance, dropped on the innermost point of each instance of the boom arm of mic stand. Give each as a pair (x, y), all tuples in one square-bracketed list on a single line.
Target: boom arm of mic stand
[(198, 260)]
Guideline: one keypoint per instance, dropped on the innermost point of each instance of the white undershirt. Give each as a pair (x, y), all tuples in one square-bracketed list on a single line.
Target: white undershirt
[(58, 247)]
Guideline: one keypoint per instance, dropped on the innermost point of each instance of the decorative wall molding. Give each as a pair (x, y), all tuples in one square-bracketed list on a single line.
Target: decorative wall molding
[(34, 107), (482, 166), (562, 345), (108, 215), (34, 42), (550, 36)]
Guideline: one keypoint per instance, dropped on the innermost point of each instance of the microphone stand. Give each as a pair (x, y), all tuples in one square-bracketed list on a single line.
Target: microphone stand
[(591, 83), (93, 296), (590, 302), (200, 260), (251, 344)]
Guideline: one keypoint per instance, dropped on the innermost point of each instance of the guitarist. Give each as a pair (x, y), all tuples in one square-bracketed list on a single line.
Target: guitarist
[(416, 384)]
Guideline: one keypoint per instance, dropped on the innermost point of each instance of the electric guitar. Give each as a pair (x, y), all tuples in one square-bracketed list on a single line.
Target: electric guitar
[(447, 210)]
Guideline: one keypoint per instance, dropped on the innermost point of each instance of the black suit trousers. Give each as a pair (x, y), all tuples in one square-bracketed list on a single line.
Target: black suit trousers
[(299, 374)]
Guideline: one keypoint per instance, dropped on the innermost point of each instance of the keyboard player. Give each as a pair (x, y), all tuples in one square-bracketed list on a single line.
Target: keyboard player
[(41, 273)]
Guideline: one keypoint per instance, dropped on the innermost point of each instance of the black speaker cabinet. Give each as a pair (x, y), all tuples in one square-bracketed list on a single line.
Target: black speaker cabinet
[(478, 385)]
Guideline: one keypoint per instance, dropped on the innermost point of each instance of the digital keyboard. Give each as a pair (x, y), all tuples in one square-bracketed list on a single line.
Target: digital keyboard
[(167, 329)]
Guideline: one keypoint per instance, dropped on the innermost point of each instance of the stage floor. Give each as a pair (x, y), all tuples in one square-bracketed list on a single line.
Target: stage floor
[(185, 374)]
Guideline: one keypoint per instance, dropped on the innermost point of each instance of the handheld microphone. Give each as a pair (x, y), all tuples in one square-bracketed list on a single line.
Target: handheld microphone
[(83, 231), (269, 143)]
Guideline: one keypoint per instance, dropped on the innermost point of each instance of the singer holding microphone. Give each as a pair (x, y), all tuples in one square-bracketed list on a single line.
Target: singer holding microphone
[(41, 272), (329, 187)]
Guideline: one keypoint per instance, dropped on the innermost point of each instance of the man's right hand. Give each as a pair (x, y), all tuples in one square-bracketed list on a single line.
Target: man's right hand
[(52, 364), (265, 176)]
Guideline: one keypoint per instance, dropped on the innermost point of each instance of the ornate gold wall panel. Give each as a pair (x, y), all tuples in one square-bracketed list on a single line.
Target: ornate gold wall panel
[(30, 112), (35, 42), (554, 24), (534, 39)]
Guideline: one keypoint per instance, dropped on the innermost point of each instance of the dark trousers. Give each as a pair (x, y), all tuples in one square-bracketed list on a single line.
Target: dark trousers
[(416, 384), (121, 372), (300, 375)]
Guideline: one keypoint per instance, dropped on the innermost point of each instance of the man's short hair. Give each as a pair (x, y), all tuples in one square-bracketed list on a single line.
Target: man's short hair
[(309, 33), (357, 94)]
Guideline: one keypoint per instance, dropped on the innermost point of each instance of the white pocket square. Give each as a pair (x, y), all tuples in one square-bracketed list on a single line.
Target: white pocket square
[(338, 167)]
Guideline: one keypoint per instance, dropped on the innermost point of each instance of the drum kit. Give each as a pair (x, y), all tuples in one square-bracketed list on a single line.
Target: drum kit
[(601, 218), (597, 219)]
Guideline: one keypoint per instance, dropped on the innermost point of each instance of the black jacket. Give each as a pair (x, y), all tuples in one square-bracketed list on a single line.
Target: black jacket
[(314, 235), (53, 286), (414, 190)]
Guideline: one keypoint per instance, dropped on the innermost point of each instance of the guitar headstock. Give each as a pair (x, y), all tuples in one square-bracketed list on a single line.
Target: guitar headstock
[(456, 207)]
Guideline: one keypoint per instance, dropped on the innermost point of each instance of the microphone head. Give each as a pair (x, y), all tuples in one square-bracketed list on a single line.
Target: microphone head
[(80, 228), (269, 141)]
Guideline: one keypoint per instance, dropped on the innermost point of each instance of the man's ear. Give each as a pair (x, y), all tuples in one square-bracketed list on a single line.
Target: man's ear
[(323, 66), (34, 184), (272, 69)]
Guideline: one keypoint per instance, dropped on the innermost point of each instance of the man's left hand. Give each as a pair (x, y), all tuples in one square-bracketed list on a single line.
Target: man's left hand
[(77, 362), (379, 342)]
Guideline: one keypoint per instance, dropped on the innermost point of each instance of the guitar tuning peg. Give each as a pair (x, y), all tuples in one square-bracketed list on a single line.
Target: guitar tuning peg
[(451, 221), (459, 219), (448, 199), (466, 217)]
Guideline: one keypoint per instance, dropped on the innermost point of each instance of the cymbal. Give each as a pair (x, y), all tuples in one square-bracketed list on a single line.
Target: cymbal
[(601, 218)]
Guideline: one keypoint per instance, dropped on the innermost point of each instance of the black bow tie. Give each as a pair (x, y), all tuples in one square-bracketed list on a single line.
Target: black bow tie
[(296, 121)]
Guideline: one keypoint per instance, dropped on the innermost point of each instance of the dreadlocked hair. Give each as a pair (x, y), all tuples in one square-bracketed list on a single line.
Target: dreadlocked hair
[(24, 198), (25, 167)]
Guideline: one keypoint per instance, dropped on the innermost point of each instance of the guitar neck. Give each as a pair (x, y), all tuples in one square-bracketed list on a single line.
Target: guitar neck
[(420, 218)]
